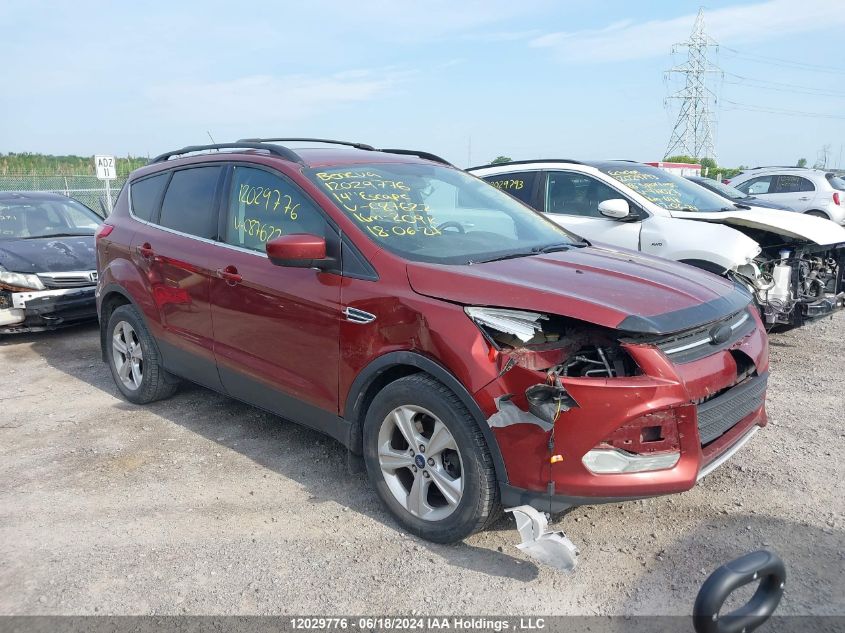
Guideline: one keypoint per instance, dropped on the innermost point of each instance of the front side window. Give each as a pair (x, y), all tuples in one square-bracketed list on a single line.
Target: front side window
[(29, 218), (572, 193), (433, 213), (263, 205), (189, 203), (757, 186), (793, 184), (519, 185), (145, 195)]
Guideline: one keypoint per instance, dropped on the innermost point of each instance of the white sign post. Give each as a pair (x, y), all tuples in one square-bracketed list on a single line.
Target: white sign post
[(106, 170)]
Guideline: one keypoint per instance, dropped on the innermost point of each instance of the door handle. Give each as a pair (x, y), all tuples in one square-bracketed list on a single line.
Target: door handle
[(146, 251), (804, 198), (230, 275)]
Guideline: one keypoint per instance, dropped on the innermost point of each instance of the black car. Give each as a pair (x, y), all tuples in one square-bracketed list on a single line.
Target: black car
[(734, 194), (48, 269)]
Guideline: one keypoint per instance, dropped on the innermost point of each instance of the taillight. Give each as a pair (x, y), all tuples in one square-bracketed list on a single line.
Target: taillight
[(836, 198), (103, 231)]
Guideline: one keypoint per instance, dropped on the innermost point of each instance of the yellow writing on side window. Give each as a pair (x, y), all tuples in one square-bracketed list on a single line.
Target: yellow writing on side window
[(255, 228), (509, 184), (270, 199)]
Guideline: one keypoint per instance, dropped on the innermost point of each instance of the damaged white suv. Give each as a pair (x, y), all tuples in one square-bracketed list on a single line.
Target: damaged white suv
[(794, 265)]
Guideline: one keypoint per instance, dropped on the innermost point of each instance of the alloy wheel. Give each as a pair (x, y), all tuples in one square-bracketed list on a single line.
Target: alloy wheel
[(128, 356), (420, 462)]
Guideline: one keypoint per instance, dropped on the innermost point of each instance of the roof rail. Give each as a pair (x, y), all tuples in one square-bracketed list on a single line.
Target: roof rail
[(310, 140), (780, 167), (525, 162), (278, 150), (412, 152), (364, 146)]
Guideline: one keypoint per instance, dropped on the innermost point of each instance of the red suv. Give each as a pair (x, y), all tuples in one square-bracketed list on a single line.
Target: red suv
[(476, 354)]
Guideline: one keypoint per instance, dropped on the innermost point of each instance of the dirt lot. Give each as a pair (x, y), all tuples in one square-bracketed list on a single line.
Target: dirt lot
[(203, 505)]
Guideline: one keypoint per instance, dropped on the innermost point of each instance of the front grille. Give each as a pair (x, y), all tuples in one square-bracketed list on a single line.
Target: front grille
[(75, 279), (720, 414), (690, 345)]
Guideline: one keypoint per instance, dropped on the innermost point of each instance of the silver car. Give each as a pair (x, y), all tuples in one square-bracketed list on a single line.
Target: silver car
[(811, 191)]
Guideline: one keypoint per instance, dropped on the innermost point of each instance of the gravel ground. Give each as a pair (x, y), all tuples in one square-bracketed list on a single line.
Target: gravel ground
[(203, 505)]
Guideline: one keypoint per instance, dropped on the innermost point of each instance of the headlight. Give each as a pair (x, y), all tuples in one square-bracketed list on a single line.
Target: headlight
[(16, 281), (524, 325)]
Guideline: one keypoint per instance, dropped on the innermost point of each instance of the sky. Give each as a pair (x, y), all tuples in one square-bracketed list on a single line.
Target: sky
[(466, 79)]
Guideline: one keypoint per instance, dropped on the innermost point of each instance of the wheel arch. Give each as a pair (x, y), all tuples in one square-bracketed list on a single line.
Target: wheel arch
[(112, 297), (393, 365), (817, 213)]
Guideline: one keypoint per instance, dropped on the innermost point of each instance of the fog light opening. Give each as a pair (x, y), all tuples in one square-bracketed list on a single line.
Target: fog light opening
[(602, 461)]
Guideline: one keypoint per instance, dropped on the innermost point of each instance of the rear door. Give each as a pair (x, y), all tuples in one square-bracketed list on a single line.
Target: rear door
[(277, 329), (571, 199), (176, 251), (794, 192)]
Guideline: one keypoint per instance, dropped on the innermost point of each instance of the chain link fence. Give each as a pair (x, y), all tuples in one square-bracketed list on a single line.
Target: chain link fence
[(88, 189)]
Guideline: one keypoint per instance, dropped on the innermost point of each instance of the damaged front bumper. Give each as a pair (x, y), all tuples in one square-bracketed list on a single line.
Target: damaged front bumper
[(37, 310), (629, 437)]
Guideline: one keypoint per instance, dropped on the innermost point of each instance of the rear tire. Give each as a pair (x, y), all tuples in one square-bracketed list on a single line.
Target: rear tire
[(134, 359), (444, 491), (818, 214)]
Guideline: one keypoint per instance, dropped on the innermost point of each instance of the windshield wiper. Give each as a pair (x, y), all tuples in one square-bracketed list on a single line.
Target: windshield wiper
[(38, 237), (554, 248), (740, 206)]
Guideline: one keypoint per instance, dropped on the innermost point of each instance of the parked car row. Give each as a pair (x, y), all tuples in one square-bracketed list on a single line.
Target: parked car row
[(792, 264), (478, 353)]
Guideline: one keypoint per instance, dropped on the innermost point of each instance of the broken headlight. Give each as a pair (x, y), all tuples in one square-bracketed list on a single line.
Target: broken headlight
[(19, 281), (555, 344)]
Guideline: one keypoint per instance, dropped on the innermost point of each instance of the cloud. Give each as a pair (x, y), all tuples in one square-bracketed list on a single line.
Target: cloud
[(627, 40), (263, 100)]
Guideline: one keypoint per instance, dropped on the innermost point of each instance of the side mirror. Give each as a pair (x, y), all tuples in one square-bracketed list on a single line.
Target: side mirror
[(297, 250), (617, 208)]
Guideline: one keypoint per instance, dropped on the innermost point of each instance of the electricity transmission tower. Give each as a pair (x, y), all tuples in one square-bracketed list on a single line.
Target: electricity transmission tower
[(693, 131)]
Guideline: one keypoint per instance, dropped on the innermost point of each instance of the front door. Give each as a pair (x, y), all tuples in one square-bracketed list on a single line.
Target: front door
[(276, 328), (572, 200)]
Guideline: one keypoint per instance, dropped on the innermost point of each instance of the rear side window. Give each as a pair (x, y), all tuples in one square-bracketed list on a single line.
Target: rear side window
[(793, 184), (836, 182), (189, 203), (757, 186), (263, 205), (145, 195), (519, 185)]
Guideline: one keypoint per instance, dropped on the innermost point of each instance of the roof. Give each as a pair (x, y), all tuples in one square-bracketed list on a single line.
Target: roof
[(545, 163)]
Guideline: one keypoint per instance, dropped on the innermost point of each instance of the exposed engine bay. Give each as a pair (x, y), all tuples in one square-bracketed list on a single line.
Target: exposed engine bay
[(558, 346), (794, 281)]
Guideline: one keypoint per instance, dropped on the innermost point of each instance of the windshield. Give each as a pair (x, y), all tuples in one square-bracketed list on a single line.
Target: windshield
[(27, 218), (438, 214), (722, 189), (664, 189)]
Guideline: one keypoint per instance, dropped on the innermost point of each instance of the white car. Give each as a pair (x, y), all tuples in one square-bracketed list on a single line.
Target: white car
[(793, 264), (811, 191)]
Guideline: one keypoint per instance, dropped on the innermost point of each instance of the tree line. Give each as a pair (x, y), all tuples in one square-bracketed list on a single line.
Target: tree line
[(62, 165)]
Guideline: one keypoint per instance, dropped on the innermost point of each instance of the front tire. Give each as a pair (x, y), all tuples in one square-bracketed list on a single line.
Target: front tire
[(428, 461), (134, 360)]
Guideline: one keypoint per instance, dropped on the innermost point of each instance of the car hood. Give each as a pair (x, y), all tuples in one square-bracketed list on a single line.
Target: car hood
[(48, 254), (786, 223), (598, 284)]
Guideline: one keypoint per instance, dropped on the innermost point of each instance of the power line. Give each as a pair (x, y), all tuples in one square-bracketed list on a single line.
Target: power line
[(786, 63), (750, 82), (734, 105), (693, 131)]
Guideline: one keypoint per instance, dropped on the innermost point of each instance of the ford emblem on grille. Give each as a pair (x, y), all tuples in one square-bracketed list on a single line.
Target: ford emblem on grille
[(720, 334)]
